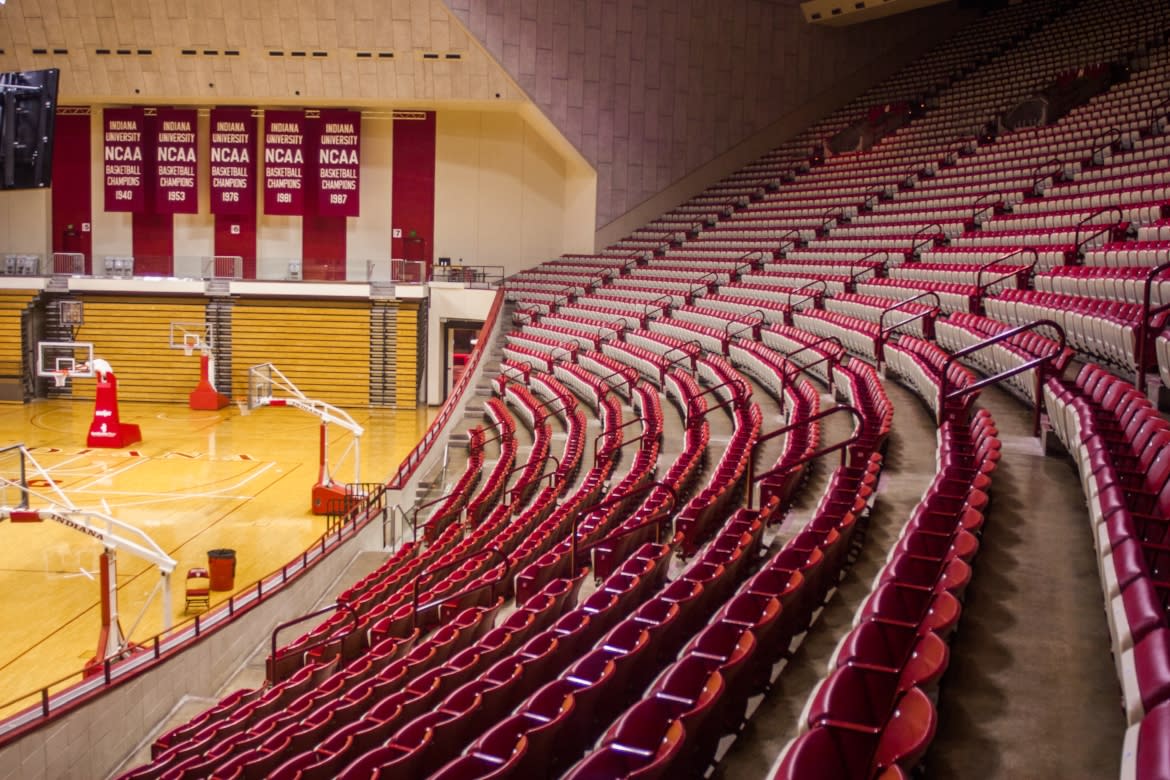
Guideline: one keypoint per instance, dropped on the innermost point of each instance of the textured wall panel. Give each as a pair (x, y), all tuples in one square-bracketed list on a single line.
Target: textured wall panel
[(648, 90)]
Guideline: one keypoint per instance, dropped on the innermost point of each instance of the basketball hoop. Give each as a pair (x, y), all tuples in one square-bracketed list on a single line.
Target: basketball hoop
[(59, 378), (191, 342)]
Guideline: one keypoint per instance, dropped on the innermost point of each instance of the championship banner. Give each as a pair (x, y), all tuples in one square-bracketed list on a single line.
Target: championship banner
[(176, 171), (284, 163), (338, 163), (124, 172), (233, 161)]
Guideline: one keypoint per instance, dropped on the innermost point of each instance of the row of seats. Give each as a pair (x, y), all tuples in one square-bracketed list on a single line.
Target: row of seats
[(1121, 446), (874, 714)]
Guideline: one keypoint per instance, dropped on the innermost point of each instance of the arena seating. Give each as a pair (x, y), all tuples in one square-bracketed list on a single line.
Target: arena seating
[(794, 268)]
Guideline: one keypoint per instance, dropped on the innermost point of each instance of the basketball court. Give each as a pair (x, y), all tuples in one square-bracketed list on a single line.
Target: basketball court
[(198, 480)]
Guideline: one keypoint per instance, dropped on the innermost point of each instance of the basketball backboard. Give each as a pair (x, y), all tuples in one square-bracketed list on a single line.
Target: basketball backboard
[(190, 337), (61, 360)]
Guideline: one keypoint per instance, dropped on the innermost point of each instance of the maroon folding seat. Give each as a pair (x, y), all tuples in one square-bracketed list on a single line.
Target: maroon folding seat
[(694, 691), (920, 656), (907, 734), (918, 607), (1146, 674), (762, 615), (543, 720), (828, 752), (951, 574), (857, 694), (1146, 753), (1142, 611), (645, 749), (729, 648)]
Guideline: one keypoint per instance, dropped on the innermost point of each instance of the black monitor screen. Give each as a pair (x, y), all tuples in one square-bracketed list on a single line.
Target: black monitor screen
[(28, 105)]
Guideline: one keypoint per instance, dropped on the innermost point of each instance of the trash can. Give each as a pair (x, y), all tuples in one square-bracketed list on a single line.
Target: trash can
[(221, 564)]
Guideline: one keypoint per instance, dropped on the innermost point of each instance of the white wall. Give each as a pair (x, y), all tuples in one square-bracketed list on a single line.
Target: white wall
[(504, 195), (112, 230), (368, 237), (449, 302), (26, 221), (195, 233)]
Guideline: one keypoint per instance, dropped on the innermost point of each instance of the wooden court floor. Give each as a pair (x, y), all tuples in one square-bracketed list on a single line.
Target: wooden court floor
[(198, 481)]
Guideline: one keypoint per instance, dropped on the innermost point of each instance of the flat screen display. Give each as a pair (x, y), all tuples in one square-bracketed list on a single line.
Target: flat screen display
[(28, 106)]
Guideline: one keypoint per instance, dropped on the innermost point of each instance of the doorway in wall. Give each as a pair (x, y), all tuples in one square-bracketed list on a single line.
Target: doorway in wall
[(459, 338)]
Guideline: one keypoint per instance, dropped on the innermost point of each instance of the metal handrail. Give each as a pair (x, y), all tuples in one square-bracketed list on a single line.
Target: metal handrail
[(698, 283), (599, 452), (741, 319), (760, 255), (565, 292), (1038, 175), (871, 196), (810, 296), (1077, 237), (829, 216), (415, 608), (529, 315), (548, 412), (834, 339), (569, 350), (976, 211), (1157, 110), (692, 356), (611, 501), (1115, 137), (604, 381), (915, 245), (1041, 362), (1148, 313), (302, 649), (780, 250), (998, 261), (842, 446), (510, 494), (856, 263), (736, 398), (653, 305), (884, 333)]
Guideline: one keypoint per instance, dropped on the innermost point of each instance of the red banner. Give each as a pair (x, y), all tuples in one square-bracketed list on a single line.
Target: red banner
[(233, 156), (338, 163), (125, 171), (176, 167), (284, 163)]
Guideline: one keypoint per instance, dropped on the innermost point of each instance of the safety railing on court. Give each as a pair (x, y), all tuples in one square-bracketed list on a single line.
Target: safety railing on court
[(34, 709)]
